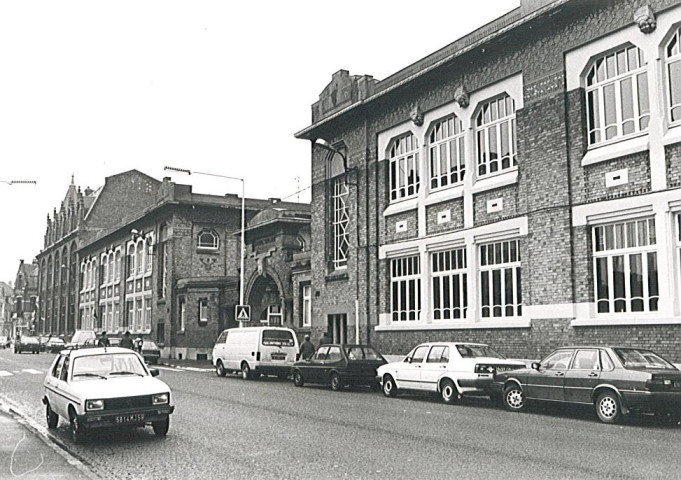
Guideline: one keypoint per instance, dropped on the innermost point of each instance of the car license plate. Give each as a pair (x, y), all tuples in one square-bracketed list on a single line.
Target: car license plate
[(278, 356), (138, 417)]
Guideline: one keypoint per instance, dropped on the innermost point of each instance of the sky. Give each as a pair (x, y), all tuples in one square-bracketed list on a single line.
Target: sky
[(94, 88)]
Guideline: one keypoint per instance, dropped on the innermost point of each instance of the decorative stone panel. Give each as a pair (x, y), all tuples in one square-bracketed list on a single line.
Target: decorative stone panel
[(434, 225), (509, 198), (394, 234), (638, 167)]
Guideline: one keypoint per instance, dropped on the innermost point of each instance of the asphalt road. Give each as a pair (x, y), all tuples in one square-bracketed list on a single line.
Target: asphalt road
[(231, 428)]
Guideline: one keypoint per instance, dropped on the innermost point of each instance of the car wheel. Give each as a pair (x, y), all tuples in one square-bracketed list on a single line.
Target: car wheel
[(389, 387), (608, 407), (514, 398), (298, 379), (161, 428), (245, 371), (220, 369), (52, 418), (448, 392), (77, 430), (336, 383)]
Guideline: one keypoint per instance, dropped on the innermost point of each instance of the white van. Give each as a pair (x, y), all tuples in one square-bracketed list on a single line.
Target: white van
[(255, 351)]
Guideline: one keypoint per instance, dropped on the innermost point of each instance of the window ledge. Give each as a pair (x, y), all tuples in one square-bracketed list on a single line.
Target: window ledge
[(496, 181), (207, 251), (518, 323), (638, 321), (337, 276), (444, 195), (673, 135), (402, 206), (616, 150)]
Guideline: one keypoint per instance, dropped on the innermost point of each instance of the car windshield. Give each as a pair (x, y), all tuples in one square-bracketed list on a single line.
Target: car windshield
[(473, 351), (634, 358), (149, 346), (362, 353), (29, 340), (277, 337), (103, 365), (55, 340)]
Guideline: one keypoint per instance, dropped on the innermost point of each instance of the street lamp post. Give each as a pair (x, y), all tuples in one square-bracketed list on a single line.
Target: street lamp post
[(243, 219)]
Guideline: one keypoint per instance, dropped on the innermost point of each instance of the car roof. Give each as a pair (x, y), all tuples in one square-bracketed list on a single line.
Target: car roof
[(97, 351), (455, 343)]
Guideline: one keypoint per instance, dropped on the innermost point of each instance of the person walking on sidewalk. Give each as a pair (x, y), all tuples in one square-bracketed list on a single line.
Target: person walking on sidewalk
[(307, 348), (325, 339), (103, 340), (126, 341)]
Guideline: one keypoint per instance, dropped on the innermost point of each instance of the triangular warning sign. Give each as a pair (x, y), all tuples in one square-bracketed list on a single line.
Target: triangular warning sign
[(243, 312)]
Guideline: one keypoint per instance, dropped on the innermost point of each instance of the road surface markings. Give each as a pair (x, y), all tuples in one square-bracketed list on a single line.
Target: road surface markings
[(5, 373), (31, 371)]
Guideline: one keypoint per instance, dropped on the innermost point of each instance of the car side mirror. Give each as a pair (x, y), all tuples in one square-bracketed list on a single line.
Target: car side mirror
[(154, 372), (408, 359), (535, 365)]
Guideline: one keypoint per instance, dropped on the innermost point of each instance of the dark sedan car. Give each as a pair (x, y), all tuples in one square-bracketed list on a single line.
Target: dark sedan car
[(339, 366), (615, 380), (27, 344), (53, 345), (150, 352)]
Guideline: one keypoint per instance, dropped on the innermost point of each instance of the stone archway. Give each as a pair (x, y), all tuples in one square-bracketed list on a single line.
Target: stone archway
[(264, 297)]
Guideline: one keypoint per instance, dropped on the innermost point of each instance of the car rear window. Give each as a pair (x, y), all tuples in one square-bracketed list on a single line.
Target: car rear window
[(474, 351), (362, 353), (29, 340), (278, 337), (634, 358)]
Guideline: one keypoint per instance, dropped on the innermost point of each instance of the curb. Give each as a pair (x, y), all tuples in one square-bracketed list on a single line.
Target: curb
[(50, 440), (181, 367)]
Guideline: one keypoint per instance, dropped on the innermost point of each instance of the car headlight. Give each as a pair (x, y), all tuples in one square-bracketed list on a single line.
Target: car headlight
[(160, 398), (93, 405)]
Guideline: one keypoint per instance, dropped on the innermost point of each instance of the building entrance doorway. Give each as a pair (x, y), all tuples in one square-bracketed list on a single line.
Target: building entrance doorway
[(265, 301), (338, 328)]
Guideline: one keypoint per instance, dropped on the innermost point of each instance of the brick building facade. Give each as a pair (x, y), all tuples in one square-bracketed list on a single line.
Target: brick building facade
[(518, 187), (158, 260)]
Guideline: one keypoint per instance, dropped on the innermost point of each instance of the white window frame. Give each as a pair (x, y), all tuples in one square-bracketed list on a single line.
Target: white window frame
[(139, 257), (449, 268), (214, 245), (203, 310), (488, 134), (340, 221), (621, 235), (673, 58), (503, 258), (307, 305), (147, 314), (183, 314), (596, 134), (403, 156), (405, 289), (446, 148)]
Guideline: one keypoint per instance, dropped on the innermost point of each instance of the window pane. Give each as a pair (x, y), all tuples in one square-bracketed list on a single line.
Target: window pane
[(636, 282), (602, 290), (653, 288), (618, 280)]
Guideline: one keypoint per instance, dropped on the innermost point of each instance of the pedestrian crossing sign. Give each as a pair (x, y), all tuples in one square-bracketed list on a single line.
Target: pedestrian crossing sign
[(243, 313)]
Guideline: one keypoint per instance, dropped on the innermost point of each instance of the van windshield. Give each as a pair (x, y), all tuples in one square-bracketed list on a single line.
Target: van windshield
[(278, 337)]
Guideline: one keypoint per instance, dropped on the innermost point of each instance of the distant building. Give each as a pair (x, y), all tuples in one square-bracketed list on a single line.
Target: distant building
[(6, 292), (162, 262), (25, 300), (518, 187)]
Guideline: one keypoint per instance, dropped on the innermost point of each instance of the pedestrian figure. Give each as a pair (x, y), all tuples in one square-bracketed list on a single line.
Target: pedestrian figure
[(325, 339), (138, 344), (307, 348), (103, 340), (126, 341)]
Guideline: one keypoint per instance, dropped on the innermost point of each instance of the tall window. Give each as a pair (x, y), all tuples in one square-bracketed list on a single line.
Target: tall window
[(673, 61), (625, 264), (446, 152), (450, 299), (203, 310), (147, 313), (617, 95), (307, 306), (138, 315), (207, 239), (496, 136), (341, 221), (130, 313), (131, 261), (139, 256), (500, 293), (117, 266), (183, 314), (404, 167), (405, 289)]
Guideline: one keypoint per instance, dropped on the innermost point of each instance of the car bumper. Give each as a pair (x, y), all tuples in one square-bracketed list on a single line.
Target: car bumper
[(128, 417), (368, 379), (151, 357), (653, 401)]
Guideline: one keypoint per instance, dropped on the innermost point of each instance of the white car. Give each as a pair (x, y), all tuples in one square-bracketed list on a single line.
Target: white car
[(449, 368), (105, 387)]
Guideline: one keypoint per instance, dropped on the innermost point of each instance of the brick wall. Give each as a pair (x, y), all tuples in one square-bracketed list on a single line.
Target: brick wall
[(509, 201), (455, 208), (392, 235), (638, 170), (673, 161)]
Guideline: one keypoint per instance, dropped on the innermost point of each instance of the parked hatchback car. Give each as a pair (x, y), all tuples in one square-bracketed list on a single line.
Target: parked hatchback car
[(105, 387), (150, 352), (615, 380), (339, 366), (53, 345), (449, 368), (4, 342), (27, 344), (80, 337)]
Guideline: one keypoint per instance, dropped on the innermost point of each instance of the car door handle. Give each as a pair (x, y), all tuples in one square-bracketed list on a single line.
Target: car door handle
[(593, 374), (560, 374), (418, 366), (443, 366)]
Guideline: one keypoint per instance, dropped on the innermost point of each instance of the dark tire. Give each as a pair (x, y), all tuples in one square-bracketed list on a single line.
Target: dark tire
[(77, 430), (161, 428), (220, 369), (245, 371), (608, 407), (298, 380), (389, 387), (335, 382), (448, 392), (51, 417), (514, 398)]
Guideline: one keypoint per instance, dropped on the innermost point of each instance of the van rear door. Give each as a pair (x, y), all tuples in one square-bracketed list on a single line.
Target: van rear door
[(278, 347)]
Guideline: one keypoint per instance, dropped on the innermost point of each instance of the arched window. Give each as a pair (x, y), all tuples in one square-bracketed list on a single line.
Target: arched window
[(617, 95), (673, 61), (208, 239), (446, 152), (403, 154), (496, 136)]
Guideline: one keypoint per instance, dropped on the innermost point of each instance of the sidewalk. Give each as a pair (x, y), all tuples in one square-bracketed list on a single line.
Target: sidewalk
[(185, 364), (25, 454)]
